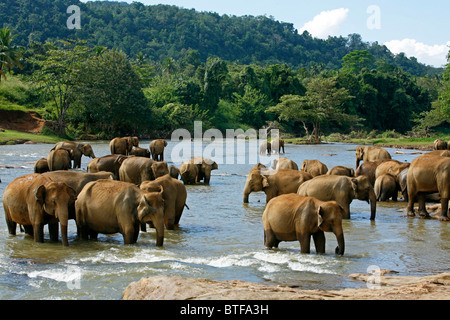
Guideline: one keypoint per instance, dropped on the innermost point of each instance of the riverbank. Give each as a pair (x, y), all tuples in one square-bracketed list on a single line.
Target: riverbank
[(379, 287)]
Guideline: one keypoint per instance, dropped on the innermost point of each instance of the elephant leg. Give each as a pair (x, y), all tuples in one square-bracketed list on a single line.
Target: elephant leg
[(169, 217), (319, 241), (346, 211), (410, 209), (422, 209), (53, 230), (130, 234), (12, 226), (38, 232), (143, 227), (305, 242), (83, 232), (444, 210), (28, 230), (270, 240), (93, 235)]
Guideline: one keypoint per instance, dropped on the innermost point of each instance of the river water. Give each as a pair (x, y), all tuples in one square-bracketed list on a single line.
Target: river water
[(219, 238)]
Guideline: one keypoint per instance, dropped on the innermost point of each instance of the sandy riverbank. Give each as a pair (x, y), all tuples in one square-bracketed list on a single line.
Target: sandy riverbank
[(435, 287)]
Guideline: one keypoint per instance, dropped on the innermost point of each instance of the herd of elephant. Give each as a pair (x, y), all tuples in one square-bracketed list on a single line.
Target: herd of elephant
[(120, 193), (306, 202), (132, 187)]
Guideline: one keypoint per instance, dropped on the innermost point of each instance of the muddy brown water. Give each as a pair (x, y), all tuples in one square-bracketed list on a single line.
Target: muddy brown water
[(219, 238)]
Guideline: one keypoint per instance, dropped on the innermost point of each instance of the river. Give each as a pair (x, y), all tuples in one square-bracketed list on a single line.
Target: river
[(219, 238)]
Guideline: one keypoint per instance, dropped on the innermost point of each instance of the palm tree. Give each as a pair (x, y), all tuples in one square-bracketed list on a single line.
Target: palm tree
[(10, 55)]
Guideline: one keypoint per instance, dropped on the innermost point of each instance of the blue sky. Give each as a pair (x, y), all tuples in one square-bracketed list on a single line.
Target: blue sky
[(418, 28)]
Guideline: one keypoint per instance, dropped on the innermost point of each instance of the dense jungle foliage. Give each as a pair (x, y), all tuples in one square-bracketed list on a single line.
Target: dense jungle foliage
[(147, 70)]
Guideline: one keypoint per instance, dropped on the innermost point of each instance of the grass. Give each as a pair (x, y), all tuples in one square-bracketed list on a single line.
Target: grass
[(13, 137), (404, 142)]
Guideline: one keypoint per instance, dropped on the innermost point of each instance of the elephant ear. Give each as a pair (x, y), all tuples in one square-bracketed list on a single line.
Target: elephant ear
[(265, 182), (40, 194), (320, 213), (72, 193), (165, 143), (354, 182)]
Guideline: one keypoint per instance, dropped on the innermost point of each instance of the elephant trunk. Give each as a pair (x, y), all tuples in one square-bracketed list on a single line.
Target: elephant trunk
[(357, 163), (247, 192), (63, 217), (341, 243), (65, 241), (159, 234), (373, 204)]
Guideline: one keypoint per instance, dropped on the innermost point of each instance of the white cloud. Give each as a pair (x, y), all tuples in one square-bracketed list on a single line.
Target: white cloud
[(325, 23), (435, 55)]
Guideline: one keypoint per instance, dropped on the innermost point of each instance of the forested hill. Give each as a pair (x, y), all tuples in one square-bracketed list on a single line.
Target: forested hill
[(162, 31)]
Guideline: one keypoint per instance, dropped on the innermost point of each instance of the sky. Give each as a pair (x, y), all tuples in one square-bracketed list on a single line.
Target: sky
[(417, 28)]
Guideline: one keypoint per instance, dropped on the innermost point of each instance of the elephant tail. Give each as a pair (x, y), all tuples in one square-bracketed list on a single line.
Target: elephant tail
[(186, 206)]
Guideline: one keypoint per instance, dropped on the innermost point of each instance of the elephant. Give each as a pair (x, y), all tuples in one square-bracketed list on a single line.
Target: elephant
[(136, 170), (59, 159), (111, 206), (342, 190), (274, 183), (174, 171), (157, 149), (110, 163), (189, 173), (371, 153), (342, 171), (314, 167), (160, 169), (78, 150), (41, 166), (277, 145), (76, 180), (265, 148), (284, 163), (402, 183), (392, 167), (428, 174), (440, 145), (442, 153), (123, 145), (291, 217), (174, 196), (401, 180), (386, 187), (33, 201), (205, 166), (140, 152), (368, 169)]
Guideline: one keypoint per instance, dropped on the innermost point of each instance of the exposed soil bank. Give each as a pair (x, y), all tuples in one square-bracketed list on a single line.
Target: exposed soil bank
[(436, 287)]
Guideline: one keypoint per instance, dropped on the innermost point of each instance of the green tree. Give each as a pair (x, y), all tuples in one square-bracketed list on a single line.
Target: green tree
[(356, 60), (440, 111), (322, 103), (58, 70), (110, 97), (216, 72), (10, 55)]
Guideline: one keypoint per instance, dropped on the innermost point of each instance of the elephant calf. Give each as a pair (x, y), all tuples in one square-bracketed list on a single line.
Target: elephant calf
[(174, 196), (386, 187), (110, 206), (291, 217), (314, 167), (274, 183), (341, 189)]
